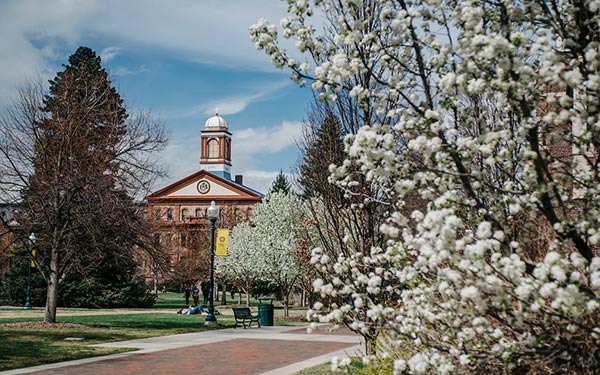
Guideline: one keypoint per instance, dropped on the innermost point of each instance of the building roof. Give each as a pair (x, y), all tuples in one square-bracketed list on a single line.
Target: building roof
[(216, 122), (203, 187)]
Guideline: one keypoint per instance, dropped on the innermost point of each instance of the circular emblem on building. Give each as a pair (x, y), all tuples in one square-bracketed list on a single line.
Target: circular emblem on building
[(203, 187)]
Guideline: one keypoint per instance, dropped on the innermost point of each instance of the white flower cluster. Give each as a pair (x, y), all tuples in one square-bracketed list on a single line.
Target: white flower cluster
[(493, 122)]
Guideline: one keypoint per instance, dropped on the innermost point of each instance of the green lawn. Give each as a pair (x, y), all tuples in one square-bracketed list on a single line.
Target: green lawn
[(35, 345)]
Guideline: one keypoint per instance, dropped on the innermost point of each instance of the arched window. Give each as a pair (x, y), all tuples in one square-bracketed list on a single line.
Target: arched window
[(184, 214), (250, 213), (198, 212), (236, 213), (227, 149), (170, 214), (213, 148)]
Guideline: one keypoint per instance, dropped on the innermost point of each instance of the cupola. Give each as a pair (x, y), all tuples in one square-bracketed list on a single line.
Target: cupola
[(216, 122), (215, 146)]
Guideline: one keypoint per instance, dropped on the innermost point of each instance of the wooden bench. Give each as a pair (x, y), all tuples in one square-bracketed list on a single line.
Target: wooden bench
[(243, 315)]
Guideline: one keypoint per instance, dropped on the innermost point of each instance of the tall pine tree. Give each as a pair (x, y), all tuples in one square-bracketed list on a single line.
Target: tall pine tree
[(325, 148), (76, 198)]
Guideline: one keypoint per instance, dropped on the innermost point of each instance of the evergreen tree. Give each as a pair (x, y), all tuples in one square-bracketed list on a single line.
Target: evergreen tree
[(325, 148), (84, 159), (280, 184)]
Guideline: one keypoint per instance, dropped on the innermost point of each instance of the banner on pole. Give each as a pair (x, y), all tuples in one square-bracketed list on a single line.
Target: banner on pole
[(222, 242)]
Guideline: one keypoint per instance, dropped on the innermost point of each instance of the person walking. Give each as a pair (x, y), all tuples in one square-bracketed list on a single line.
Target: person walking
[(195, 294), (205, 285), (186, 292)]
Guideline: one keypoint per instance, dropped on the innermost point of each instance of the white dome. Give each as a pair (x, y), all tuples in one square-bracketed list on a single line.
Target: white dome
[(216, 122)]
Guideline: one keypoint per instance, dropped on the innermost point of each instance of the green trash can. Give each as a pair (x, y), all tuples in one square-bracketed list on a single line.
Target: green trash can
[(265, 311)]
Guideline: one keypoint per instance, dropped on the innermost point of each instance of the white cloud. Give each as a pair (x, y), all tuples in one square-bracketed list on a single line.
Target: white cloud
[(236, 104), (123, 71), (26, 24), (209, 31), (260, 181), (109, 53), (263, 140), (229, 105)]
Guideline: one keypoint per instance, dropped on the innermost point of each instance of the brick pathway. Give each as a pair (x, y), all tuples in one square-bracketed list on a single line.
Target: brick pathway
[(222, 352)]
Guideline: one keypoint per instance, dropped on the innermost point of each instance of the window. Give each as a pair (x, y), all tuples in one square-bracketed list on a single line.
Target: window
[(183, 239), (184, 214), (250, 213), (227, 149), (236, 213), (213, 148), (198, 212), (170, 214)]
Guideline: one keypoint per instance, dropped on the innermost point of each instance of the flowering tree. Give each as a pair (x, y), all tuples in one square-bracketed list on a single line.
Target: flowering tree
[(266, 248), (471, 293), (240, 265), (275, 223)]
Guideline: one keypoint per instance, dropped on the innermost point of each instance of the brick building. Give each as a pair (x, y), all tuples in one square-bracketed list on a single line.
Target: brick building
[(178, 211)]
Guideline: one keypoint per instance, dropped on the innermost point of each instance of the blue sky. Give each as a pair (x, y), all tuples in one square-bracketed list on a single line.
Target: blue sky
[(178, 59)]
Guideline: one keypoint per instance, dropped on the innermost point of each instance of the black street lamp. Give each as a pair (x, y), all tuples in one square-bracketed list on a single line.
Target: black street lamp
[(212, 213), (32, 239)]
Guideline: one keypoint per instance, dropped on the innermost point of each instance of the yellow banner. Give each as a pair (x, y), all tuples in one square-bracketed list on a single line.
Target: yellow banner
[(222, 242)]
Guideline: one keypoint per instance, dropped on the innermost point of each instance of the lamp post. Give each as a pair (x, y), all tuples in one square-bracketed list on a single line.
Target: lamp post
[(212, 213), (32, 239)]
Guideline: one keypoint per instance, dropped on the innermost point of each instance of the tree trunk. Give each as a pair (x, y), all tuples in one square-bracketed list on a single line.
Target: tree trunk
[(286, 300), (285, 306), (370, 344), (247, 293), (155, 285), (52, 293), (224, 295), (239, 297)]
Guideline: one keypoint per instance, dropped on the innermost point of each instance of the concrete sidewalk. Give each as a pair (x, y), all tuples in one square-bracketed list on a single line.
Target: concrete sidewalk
[(266, 350)]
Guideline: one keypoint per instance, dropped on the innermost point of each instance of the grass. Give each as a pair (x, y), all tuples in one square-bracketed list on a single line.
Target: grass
[(171, 300), (38, 346), (32, 345), (356, 367), (175, 301), (322, 369)]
